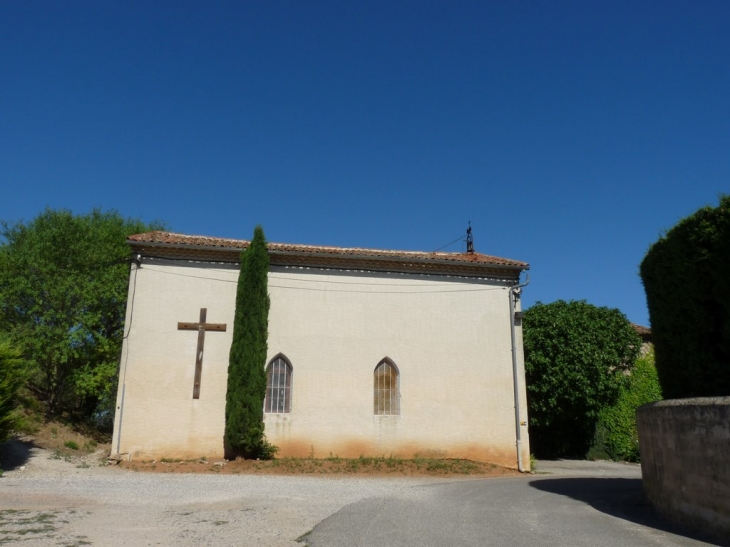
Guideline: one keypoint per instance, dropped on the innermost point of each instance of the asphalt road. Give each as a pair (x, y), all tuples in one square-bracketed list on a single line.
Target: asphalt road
[(577, 504)]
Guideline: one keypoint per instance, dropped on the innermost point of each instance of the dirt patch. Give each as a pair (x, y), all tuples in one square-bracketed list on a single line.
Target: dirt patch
[(23, 456), (363, 466), (64, 438), (52, 446)]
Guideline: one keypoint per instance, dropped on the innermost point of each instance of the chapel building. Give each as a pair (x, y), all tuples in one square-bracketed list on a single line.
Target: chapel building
[(370, 352)]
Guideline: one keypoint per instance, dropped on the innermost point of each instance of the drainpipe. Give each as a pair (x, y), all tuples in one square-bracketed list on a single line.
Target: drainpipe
[(514, 295), (122, 372)]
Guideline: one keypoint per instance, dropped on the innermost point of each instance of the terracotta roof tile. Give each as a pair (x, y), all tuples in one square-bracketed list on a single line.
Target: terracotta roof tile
[(173, 239), (641, 330)]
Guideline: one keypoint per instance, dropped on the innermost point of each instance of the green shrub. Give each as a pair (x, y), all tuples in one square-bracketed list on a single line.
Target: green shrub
[(576, 355), (686, 275), (28, 425), (63, 294), (73, 445), (616, 437), (90, 446), (10, 380)]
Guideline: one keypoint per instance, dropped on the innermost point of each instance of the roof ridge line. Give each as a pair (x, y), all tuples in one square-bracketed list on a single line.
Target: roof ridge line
[(159, 237)]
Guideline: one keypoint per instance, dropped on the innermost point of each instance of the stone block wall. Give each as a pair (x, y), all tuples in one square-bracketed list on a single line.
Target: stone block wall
[(685, 460)]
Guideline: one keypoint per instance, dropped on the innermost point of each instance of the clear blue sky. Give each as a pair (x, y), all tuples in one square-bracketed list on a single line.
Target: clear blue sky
[(570, 133)]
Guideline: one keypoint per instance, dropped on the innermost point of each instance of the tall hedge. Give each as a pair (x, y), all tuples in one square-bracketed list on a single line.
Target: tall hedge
[(244, 429), (686, 277)]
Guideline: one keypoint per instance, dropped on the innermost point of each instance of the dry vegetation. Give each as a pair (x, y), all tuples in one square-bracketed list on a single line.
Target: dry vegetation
[(362, 466), (65, 440)]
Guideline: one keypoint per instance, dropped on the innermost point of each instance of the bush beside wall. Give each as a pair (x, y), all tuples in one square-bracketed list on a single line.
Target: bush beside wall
[(616, 437)]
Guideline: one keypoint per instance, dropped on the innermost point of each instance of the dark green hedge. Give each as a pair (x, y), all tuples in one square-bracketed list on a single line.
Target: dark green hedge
[(686, 276)]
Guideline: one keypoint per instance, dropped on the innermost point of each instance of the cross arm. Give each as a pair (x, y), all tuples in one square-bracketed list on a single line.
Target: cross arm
[(205, 326)]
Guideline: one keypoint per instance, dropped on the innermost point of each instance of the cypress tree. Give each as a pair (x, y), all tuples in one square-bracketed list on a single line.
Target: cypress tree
[(244, 431)]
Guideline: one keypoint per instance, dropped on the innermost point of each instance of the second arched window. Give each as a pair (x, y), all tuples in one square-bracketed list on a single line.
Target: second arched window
[(278, 386), (386, 400)]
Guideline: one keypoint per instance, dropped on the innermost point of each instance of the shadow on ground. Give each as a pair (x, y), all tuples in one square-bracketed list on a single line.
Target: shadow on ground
[(14, 454), (621, 498)]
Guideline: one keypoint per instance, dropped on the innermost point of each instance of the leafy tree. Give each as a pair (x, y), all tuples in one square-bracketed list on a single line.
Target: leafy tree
[(10, 380), (576, 356), (63, 292), (686, 275), (244, 429), (616, 437)]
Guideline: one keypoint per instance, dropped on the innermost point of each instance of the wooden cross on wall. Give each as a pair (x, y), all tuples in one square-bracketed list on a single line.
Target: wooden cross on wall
[(201, 327)]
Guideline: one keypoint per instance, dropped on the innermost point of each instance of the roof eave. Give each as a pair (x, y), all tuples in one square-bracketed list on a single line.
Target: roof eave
[(158, 244), (384, 258), (387, 258)]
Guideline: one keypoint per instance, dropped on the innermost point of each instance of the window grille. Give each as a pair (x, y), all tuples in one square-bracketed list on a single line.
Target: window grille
[(386, 400), (278, 386)]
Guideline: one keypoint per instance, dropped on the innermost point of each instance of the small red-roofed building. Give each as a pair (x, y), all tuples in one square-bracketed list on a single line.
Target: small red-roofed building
[(645, 334), (370, 352)]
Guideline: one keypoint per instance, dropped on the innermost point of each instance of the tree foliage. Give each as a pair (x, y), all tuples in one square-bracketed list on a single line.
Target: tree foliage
[(616, 437), (686, 275), (63, 292), (244, 429), (10, 380), (576, 356)]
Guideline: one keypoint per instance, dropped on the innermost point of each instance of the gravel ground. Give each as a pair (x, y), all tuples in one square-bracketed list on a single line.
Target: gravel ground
[(582, 468), (49, 501)]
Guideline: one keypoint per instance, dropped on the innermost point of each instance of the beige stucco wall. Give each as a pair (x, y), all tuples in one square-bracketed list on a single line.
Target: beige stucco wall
[(449, 338)]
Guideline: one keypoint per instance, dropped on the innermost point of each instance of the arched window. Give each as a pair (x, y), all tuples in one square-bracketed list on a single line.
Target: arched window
[(386, 400), (278, 386)]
